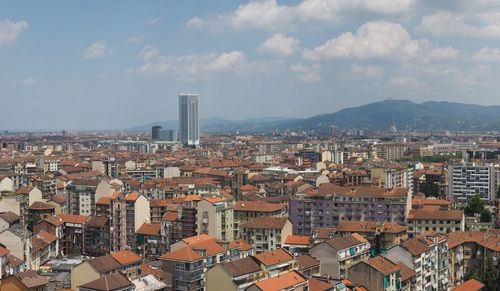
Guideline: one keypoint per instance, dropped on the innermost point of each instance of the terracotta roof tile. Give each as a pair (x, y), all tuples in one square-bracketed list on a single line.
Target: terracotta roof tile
[(298, 240), (241, 267), (149, 229), (274, 257), (383, 265), (185, 254), (258, 206), (470, 285), (240, 244), (281, 282), (126, 257)]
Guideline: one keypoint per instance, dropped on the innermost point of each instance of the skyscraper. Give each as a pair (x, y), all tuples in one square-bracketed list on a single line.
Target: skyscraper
[(155, 132), (189, 133)]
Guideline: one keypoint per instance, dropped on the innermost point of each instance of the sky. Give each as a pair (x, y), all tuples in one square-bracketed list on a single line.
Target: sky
[(117, 64)]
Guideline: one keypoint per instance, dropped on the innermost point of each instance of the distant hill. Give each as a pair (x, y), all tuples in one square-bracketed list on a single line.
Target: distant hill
[(374, 116)]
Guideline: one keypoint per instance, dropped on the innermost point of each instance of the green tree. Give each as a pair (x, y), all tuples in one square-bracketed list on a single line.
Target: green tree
[(476, 205), (490, 276), (473, 274), (32, 221), (485, 216)]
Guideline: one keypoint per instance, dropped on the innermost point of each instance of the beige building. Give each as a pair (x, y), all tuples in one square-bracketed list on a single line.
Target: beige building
[(215, 218), (235, 275), (266, 233), (439, 221)]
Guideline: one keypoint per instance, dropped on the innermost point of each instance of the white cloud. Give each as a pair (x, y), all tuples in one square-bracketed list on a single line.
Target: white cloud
[(485, 24), (487, 54), (404, 81), (367, 71), (97, 50), (306, 73), (270, 15), (280, 44), (380, 39), (29, 81), (10, 31), (148, 52), (198, 66), (154, 21), (372, 39)]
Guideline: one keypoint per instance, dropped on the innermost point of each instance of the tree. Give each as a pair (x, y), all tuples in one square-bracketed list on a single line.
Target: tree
[(490, 276), (475, 206), (485, 216)]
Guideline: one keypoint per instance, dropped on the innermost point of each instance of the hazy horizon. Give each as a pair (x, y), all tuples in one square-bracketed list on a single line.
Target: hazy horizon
[(115, 65)]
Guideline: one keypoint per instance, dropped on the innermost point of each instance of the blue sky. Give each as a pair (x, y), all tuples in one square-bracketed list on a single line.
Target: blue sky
[(117, 64)]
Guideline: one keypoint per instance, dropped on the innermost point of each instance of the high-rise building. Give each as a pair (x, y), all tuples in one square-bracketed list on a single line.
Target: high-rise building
[(168, 135), (189, 133), (155, 132)]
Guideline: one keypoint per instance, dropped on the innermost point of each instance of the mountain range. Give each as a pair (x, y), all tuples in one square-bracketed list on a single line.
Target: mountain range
[(405, 114)]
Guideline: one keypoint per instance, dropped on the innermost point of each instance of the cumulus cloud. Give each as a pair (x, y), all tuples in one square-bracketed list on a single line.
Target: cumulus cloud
[(306, 73), (465, 24), (270, 15), (379, 39), (10, 31), (279, 44), (195, 66), (97, 50)]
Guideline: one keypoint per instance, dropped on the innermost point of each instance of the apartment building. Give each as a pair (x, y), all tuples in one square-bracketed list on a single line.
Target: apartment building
[(470, 179), (149, 243), (245, 211), (81, 195), (266, 233), (377, 274), (96, 237), (292, 280), (389, 152), (393, 176), (338, 254), (234, 275), (429, 257), (383, 234), (128, 213), (215, 218), (469, 252), (436, 220), (331, 204), (190, 259)]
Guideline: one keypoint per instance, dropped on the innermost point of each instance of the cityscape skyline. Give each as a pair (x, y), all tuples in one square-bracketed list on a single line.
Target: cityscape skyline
[(132, 55)]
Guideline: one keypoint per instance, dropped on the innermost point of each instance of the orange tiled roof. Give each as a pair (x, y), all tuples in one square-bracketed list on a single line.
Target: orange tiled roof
[(149, 229), (274, 257), (470, 285), (132, 196), (281, 282), (126, 257), (104, 201), (72, 218), (185, 254), (240, 244), (298, 240), (258, 206), (170, 216)]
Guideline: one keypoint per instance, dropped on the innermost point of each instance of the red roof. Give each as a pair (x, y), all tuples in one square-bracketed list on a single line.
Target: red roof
[(298, 240), (470, 285), (281, 282), (126, 257), (186, 254), (149, 229)]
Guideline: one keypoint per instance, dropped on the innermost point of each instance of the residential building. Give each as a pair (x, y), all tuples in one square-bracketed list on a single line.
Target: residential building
[(470, 179), (96, 237), (81, 194), (438, 221), (381, 235), (149, 243), (429, 257), (234, 275), (338, 254), (376, 274), (25, 281), (266, 233), (112, 282), (215, 218), (331, 204), (276, 263), (245, 211)]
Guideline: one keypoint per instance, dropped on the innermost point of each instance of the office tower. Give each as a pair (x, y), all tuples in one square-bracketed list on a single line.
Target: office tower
[(155, 132), (188, 119), (168, 135)]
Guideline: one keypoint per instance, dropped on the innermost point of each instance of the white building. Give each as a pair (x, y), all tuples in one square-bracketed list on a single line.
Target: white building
[(469, 179)]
